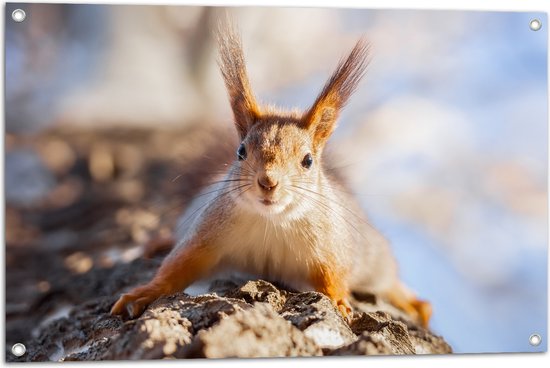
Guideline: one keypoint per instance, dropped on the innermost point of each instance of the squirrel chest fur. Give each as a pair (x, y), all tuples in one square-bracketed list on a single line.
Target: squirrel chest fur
[(277, 213), (282, 247)]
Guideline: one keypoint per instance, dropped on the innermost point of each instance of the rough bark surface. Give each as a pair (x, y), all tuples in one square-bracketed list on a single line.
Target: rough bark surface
[(235, 318)]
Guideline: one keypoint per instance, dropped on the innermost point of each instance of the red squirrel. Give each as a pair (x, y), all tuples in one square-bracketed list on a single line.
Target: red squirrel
[(278, 213)]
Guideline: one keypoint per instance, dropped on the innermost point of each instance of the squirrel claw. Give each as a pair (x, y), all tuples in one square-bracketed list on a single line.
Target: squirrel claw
[(120, 307), (423, 310), (125, 307), (130, 306), (138, 307), (345, 309)]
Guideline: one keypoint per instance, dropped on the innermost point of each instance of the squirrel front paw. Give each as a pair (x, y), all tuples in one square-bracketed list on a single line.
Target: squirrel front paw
[(423, 310), (345, 309), (131, 305)]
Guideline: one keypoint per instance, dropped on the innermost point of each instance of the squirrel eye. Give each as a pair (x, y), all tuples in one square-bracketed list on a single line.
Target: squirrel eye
[(307, 161), (241, 152)]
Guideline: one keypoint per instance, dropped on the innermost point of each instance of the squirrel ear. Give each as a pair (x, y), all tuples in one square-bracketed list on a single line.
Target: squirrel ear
[(322, 116), (233, 69)]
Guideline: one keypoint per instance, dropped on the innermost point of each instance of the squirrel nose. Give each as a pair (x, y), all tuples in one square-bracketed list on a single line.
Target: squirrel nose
[(267, 183)]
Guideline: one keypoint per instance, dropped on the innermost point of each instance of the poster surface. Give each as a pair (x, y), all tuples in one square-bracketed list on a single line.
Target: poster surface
[(204, 182)]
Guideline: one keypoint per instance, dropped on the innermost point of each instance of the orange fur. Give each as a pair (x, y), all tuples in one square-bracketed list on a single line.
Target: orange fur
[(276, 217), (401, 297), (176, 273), (322, 116), (332, 282), (233, 69), (157, 246)]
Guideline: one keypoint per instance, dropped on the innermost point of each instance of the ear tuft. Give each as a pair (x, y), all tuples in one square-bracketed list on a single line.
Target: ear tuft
[(322, 116), (233, 68)]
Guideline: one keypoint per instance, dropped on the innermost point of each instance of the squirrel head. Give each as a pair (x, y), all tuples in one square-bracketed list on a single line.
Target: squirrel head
[(279, 156)]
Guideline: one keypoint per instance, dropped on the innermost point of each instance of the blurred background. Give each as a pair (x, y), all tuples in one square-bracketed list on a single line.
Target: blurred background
[(445, 143)]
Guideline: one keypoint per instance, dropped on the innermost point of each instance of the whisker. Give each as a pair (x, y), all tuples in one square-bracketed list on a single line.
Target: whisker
[(176, 178), (241, 179), (234, 172), (327, 186), (227, 191), (227, 168), (326, 207), (358, 217), (248, 166), (213, 191)]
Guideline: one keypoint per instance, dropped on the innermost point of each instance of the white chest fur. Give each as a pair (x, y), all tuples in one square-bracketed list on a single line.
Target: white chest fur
[(274, 250), (283, 248)]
